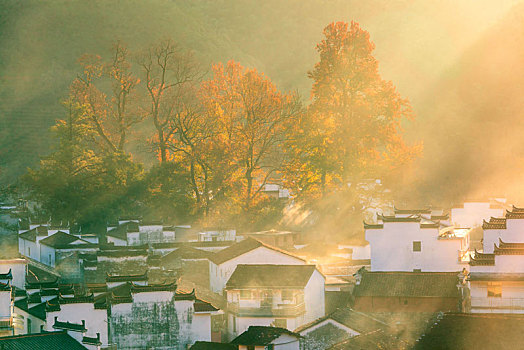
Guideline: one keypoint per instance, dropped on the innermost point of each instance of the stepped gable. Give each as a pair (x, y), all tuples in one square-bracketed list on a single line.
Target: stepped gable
[(388, 218), (372, 226), (517, 210), (412, 211), (482, 259), (164, 287), (76, 299), (126, 278), (495, 225), (181, 295), (5, 287), (70, 326), (514, 215), (95, 341)]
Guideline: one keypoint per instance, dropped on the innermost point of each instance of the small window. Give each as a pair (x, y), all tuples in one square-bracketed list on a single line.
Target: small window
[(29, 251), (495, 289), (234, 320), (417, 246), (405, 301), (270, 347), (250, 347)]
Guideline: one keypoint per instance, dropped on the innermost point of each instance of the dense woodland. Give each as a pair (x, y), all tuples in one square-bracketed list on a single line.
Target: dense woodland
[(187, 118)]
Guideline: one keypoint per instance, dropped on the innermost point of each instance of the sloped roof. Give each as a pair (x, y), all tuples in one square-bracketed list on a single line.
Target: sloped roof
[(378, 339), (408, 284), (355, 320), (207, 345), (243, 247), (474, 331), (37, 277), (28, 235), (38, 311), (6, 276), (60, 239), (41, 341), (270, 276), (204, 306), (185, 252), (260, 335), (122, 230)]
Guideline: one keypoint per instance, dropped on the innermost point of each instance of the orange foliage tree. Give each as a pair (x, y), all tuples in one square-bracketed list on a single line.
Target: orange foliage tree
[(254, 119), (352, 130)]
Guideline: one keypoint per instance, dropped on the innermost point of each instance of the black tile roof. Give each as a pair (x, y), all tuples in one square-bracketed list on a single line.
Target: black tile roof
[(408, 284), (270, 276), (38, 311), (185, 252), (243, 247), (126, 278), (6, 276), (70, 326), (41, 341), (261, 335), (92, 340), (37, 278), (207, 345), (59, 240), (203, 306), (474, 331), (28, 235), (355, 320)]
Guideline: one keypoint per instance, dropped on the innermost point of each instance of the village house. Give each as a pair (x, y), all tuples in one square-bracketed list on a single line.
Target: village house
[(496, 275), (217, 235), (249, 251), (416, 241), (341, 324), (263, 338), (286, 296), (407, 292)]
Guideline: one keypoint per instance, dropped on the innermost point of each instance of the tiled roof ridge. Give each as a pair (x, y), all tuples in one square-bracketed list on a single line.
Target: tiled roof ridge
[(493, 225)]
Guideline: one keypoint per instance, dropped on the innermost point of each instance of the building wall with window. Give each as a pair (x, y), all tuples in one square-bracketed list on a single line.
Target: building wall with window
[(219, 274), (406, 246), (497, 296)]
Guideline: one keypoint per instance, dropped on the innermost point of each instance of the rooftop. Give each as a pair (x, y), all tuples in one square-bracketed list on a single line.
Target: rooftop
[(61, 239), (408, 284), (41, 341), (474, 331), (270, 276), (259, 335), (207, 345), (243, 247)]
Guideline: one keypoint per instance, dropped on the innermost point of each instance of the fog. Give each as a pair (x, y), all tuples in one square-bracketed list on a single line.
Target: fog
[(460, 63)]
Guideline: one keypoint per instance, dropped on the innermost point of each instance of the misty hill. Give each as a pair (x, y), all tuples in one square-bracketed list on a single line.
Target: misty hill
[(475, 120), (41, 41)]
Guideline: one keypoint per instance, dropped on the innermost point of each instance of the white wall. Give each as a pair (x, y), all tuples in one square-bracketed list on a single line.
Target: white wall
[(5, 305), (96, 320), (503, 264), (314, 298), (18, 270), (392, 249), (473, 213), (47, 255), (29, 249), (514, 233), (219, 275)]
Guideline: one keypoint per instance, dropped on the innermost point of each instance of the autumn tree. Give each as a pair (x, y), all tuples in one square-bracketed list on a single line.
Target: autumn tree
[(352, 130), (254, 119), (76, 184), (167, 69), (107, 92)]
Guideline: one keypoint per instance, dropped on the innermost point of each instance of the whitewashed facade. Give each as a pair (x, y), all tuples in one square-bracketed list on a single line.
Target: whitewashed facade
[(415, 244)]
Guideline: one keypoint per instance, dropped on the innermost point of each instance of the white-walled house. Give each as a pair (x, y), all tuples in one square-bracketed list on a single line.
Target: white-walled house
[(413, 243), (496, 276), (285, 296), (249, 251)]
